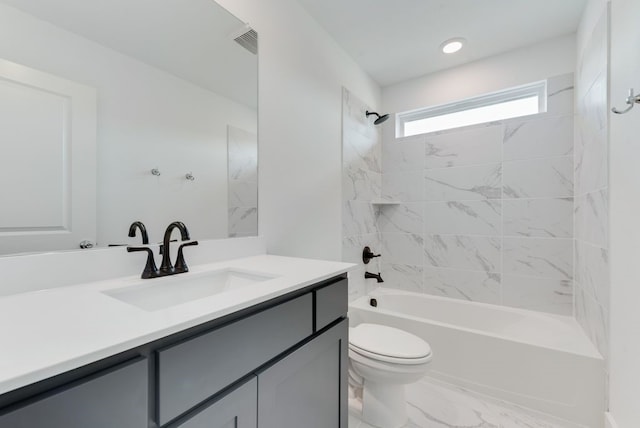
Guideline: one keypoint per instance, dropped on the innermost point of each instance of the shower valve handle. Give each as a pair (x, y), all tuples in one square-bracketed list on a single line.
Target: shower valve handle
[(367, 255)]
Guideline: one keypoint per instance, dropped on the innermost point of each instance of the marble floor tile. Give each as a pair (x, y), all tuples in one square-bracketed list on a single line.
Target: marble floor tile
[(433, 404)]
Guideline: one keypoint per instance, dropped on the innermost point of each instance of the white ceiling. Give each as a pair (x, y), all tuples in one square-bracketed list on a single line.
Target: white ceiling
[(191, 42), (398, 40)]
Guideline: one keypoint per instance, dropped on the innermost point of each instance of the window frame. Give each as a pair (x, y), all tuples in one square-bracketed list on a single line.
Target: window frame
[(538, 89)]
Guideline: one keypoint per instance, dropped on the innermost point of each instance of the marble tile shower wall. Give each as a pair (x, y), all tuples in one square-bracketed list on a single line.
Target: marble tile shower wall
[(486, 211), (361, 184), (591, 176)]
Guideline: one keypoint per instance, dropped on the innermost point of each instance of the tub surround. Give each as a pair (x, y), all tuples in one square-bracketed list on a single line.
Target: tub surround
[(58, 329), (361, 190), (487, 210)]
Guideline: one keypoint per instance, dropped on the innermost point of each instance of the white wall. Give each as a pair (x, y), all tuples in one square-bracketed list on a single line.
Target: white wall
[(517, 67), (147, 118), (302, 72), (624, 226)]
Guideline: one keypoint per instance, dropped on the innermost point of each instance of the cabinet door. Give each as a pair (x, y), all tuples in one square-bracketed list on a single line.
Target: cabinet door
[(116, 398), (237, 409), (308, 388)]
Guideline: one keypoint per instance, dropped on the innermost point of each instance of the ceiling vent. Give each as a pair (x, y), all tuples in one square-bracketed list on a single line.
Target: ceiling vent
[(247, 38)]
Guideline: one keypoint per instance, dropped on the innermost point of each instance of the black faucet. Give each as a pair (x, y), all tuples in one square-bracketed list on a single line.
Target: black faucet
[(166, 268), (150, 269), (369, 275), (143, 231)]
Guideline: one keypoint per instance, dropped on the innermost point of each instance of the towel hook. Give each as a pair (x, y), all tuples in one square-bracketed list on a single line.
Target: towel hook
[(631, 100)]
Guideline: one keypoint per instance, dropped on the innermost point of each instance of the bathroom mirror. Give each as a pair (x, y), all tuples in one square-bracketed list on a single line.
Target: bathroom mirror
[(113, 111)]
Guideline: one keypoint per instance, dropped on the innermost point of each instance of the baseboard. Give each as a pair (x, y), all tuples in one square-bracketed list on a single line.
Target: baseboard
[(609, 422)]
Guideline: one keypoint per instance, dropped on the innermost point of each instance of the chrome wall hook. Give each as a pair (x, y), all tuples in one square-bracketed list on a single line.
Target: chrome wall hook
[(156, 172), (189, 176), (631, 100)]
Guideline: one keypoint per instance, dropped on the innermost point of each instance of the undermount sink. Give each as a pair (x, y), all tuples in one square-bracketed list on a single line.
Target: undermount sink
[(162, 293)]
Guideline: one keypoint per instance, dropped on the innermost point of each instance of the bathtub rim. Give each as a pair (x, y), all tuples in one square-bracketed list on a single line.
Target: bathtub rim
[(590, 351)]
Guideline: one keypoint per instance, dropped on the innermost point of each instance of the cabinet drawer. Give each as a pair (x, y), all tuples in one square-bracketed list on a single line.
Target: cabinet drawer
[(331, 303), (191, 372), (237, 409), (115, 398)]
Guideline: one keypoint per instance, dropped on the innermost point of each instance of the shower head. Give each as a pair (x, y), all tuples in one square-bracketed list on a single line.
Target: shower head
[(380, 119)]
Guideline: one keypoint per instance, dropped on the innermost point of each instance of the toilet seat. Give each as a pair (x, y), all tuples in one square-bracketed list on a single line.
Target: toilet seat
[(388, 344)]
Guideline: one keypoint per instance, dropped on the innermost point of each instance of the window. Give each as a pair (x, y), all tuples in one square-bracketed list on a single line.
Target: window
[(514, 102)]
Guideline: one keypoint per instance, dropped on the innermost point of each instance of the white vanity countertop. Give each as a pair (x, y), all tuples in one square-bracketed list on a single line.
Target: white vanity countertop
[(48, 332)]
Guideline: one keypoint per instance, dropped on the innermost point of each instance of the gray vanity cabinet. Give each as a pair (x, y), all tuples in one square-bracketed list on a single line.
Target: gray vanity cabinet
[(237, 409), (307, 388), (279, 364), (115, 398)]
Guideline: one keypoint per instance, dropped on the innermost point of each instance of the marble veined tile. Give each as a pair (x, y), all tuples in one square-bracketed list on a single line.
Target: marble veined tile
[(592, 163), (354, 115), (358, 218), (595, 102), (560, 94), (473, 286), (552, 218), (594, 319), (470, 146), (592, 271), (534, 137), (435, 404), (402, 248), (463, 252), (592, 218), (402, 277), (538, 178), (403, 186), (361, 184), (359, 151), (591, 157), (404, 154), (463, 217), (594, 58), (464, 183), (402, 218), (538, 294), (538, 257), (356, 287)]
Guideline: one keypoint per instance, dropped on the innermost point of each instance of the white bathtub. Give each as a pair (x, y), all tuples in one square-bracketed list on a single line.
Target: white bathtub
[(541, 361)]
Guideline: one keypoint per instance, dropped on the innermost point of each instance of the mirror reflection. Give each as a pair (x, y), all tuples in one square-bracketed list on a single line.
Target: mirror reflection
[(123, 110)]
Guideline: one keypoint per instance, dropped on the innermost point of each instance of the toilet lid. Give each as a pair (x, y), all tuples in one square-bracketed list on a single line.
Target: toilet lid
[(388, 342)]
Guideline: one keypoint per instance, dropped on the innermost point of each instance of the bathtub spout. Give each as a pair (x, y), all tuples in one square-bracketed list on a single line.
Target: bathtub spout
[(378, 277)]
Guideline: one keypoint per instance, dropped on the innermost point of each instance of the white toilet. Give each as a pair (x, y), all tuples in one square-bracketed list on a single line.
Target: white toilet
[(382, 360)]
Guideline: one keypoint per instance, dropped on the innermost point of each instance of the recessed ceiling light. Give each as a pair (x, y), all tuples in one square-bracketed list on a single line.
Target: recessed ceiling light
[(452, 45)]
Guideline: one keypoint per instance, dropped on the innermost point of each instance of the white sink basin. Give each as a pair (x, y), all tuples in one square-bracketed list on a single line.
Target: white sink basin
[(162, 293)]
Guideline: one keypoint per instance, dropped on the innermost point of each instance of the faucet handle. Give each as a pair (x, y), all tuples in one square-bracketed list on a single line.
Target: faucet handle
[(367, 255), (150, 269), (181, 264)]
